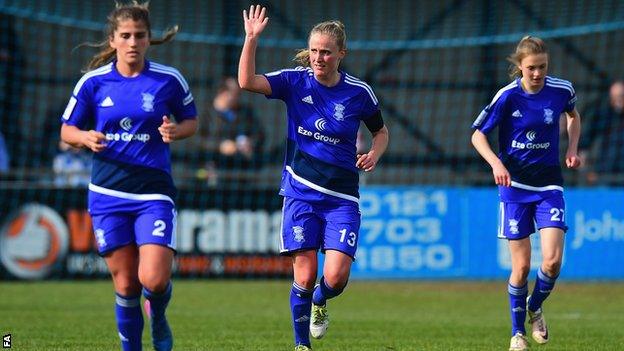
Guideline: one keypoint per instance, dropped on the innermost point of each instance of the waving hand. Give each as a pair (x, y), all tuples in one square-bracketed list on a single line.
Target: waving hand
[(255, 20)]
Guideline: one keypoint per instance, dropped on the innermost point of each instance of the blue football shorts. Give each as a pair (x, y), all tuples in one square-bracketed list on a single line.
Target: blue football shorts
[(153, 223), (518, 220), (320, 226)]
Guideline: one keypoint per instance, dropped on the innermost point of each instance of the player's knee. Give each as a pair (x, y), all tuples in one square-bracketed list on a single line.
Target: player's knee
[(154, 282), (521, 272), (336, 279), (305, 276), (126, 285), (551, 267), (306, 281)]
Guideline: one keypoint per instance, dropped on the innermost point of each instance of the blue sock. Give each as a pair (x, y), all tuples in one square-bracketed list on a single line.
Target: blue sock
[(543, 286), (517, 306), (129, 321), (300, 306), (323, 292), (158, 301)]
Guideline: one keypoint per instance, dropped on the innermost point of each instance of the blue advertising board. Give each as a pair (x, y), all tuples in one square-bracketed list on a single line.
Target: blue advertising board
[(441, 232)]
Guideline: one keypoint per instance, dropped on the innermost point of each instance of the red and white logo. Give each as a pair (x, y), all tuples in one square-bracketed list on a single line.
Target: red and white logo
[(32, 241)]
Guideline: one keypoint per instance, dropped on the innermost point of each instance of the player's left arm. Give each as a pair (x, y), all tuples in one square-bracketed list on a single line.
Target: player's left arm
[(573, 126), (171, 131), (368, 161)]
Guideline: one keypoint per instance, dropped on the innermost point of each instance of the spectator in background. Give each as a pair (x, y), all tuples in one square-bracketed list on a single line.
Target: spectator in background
[(236, 129), (72, 166), (602, 142)]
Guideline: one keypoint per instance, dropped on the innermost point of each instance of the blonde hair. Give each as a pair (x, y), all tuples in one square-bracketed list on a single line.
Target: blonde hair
[(135, 11), (334, 29), (528, 45)]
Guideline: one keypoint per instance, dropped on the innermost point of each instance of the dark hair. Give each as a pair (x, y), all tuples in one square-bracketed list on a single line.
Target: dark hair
[(334, 29), (135, 11), (528, 45)]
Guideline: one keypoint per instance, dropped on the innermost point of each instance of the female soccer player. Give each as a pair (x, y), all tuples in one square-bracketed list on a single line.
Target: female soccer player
[(320, 177), (128, 103), (528, 174)]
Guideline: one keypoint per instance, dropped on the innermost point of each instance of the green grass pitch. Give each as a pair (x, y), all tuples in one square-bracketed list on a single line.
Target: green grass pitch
[(254, 315)]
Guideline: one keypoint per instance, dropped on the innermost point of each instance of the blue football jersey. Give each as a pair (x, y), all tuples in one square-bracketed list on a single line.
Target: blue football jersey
[(322, 131), (528, 132), (135, 165)]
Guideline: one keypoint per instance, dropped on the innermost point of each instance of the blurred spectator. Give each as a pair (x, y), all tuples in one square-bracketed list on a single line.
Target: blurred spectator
[(72, 166), (235, 128), (602, 142)]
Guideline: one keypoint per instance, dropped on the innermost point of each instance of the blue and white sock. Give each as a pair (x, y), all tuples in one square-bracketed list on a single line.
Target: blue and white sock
[(158, 301), (323, 292), (300, 305), (129, 321), (543, 286), (517, 307)]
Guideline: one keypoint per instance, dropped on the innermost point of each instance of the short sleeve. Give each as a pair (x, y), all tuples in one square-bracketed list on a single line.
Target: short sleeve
[(79, 109), (370, 104), (491, 115), (281, 81), (181, 102), (571, 97)]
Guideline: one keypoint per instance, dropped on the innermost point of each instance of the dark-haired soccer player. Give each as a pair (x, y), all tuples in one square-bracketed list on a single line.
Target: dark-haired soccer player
[(131, 195), (528, 174)]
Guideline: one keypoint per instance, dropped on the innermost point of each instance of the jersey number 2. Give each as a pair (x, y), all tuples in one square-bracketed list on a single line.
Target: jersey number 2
[(160, 228)]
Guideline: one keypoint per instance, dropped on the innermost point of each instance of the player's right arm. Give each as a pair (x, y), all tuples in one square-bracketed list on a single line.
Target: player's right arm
[(255, 22), (500, 172), (76, 137)]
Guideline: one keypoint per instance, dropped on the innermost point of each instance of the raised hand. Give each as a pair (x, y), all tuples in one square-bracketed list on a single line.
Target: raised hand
[(255, 20)]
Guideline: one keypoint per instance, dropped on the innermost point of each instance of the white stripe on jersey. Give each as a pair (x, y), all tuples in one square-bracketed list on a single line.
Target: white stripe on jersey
[(96, 72), (535, 188), (275, 73), (354, 81), (157, 67), (187, 100), (500, 92), (561, 86), (70, 108), (320, 188), (560, 81), (129, 196)]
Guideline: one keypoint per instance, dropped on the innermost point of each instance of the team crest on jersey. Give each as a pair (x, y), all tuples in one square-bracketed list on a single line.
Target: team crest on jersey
[(548, 116), (148, 102), (99, 237), (339, 112), (298, 234), (513, 226)]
